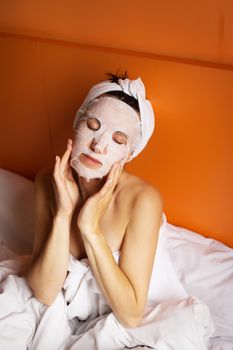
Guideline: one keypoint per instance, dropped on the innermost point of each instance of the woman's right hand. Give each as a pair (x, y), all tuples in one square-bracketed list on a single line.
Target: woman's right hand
[(65, 188)]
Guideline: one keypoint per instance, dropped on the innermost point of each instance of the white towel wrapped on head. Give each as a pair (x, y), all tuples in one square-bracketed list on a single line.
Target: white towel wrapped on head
[(134, 88)]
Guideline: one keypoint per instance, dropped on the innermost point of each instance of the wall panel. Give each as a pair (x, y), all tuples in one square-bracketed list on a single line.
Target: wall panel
[(189, 157)]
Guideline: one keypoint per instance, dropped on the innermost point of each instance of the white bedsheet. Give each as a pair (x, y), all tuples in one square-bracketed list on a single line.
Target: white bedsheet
[(186, 264), (25, 323)]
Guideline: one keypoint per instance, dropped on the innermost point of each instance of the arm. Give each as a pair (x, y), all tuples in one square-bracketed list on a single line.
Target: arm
[(48, 267), (125, 286), (49, 261)]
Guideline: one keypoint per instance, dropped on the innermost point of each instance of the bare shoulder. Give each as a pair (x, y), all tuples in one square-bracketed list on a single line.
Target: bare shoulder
[(138, 191)]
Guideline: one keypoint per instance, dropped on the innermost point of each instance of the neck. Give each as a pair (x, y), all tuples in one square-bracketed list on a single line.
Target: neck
[(88, 188)]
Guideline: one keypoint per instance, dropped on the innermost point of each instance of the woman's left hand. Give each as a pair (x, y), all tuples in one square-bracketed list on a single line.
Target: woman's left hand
[(95, 207)]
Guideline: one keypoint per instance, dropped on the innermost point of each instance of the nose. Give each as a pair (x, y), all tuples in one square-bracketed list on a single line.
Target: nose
[(100, 144)]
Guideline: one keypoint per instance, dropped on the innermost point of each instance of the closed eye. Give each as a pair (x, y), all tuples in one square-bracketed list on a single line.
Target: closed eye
[(93, 123), (120, 138)]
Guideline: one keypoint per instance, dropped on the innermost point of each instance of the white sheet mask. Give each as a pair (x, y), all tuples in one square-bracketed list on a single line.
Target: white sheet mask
[(107, 131)]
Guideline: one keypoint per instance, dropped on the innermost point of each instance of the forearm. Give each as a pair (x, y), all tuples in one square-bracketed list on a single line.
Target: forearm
[(115, 285), (46, 274)]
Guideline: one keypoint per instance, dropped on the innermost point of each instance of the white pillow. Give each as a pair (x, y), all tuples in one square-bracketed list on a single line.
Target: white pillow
[(204, 267), (16, 212)]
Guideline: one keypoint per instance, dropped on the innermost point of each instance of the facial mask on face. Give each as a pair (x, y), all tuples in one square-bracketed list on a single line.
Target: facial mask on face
[(107, 131)]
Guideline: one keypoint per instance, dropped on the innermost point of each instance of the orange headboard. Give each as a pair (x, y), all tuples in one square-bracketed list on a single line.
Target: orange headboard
[(189, 157)]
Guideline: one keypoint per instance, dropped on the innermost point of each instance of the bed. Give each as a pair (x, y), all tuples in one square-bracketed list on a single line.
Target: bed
[(204, 269)]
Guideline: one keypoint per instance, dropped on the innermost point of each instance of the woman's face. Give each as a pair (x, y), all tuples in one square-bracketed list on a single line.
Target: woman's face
[(107, 132)]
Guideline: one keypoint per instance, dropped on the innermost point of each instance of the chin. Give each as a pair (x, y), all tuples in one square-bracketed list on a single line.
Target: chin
[(91, 174)]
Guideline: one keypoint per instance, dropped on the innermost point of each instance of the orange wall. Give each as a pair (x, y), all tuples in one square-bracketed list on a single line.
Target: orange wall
[(190, 155), (194, 29)]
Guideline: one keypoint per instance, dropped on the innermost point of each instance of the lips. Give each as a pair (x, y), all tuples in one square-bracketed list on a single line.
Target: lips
[(93, 159), (89, 161)]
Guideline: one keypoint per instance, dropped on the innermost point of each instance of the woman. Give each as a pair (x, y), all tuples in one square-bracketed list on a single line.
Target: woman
[(96, 234), (89, 206)]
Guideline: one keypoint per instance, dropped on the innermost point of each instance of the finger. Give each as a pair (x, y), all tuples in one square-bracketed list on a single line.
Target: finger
[(113, 170), (66, 155), (56, 170), (107, 187), (118, 172), (112, 174), (69, 173), (112, 178)]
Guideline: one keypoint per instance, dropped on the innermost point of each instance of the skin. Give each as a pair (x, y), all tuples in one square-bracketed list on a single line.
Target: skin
[(93, 219)]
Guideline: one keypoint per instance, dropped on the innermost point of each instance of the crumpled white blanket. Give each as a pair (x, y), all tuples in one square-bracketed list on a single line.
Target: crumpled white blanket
[(221, 343), (80, 318)]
